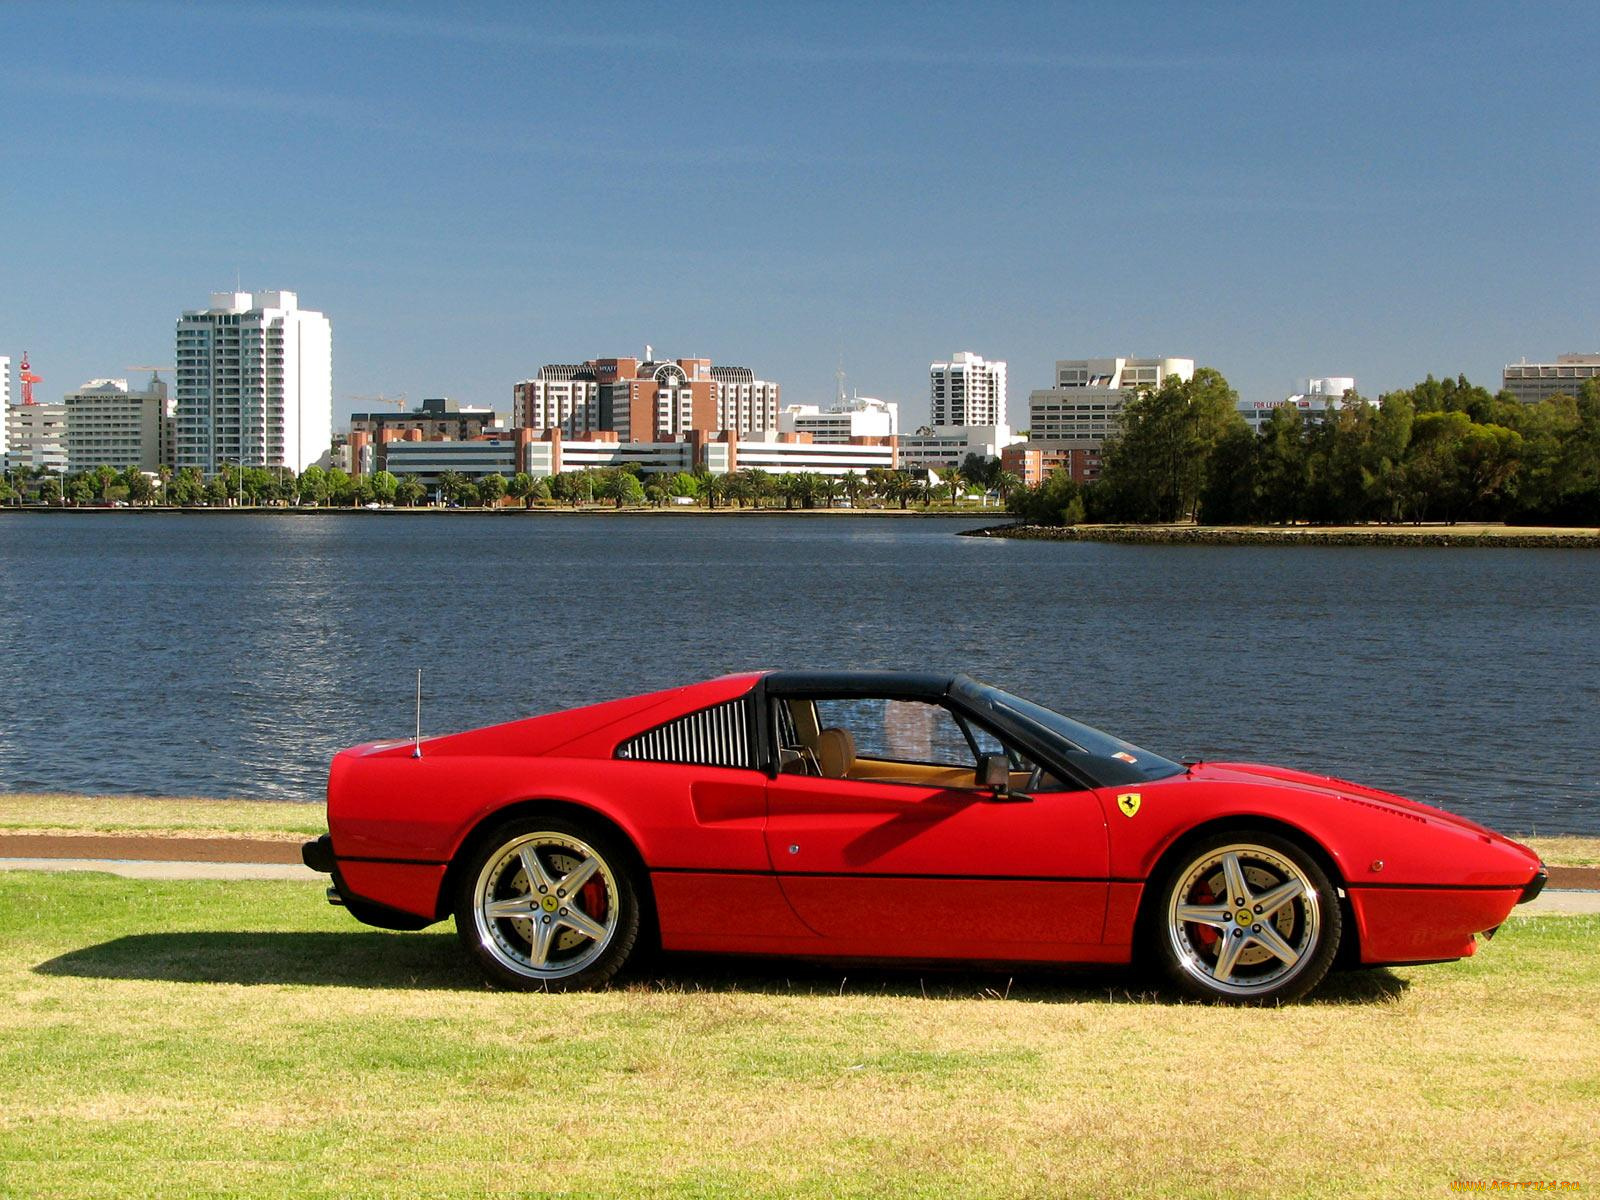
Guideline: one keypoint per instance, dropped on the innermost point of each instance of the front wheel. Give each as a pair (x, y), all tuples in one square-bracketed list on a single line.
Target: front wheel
[(1247, 917), (548, 904)]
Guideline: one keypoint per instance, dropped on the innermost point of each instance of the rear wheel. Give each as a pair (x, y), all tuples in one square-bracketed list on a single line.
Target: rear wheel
[(1248, 917), (548, 904)]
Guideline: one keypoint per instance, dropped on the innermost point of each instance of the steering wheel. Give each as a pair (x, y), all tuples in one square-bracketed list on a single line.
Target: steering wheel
[(1035, 778)]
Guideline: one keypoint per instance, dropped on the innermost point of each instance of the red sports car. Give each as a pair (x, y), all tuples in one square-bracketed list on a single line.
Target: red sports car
[(887, 815)]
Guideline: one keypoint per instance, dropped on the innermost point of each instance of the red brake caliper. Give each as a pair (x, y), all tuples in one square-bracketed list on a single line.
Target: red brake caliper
[(593, 895), (1205, 933)]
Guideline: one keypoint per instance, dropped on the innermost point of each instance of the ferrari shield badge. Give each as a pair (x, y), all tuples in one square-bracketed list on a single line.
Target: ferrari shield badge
[(1128, 802)]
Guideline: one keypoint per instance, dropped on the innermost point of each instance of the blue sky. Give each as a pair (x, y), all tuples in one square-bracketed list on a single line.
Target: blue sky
[(1275, 190)]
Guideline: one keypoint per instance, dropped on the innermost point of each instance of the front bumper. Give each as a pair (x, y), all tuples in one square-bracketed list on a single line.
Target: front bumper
[(1535, 886)]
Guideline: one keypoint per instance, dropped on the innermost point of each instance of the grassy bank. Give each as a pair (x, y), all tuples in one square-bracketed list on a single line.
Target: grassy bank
[(246, 1039), (1470, 536)]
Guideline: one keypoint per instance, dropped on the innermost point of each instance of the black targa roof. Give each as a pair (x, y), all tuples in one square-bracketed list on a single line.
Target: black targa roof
[(892, 685)]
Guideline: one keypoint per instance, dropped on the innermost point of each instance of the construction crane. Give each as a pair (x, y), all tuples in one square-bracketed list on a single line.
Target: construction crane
[(398, 401), (28, 380), (152, 370)]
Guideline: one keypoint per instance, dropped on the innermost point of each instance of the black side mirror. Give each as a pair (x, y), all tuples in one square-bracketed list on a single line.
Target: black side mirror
[(994, 773)]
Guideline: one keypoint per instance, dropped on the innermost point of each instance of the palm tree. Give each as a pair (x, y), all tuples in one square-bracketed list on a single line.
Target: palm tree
[(951, 478)]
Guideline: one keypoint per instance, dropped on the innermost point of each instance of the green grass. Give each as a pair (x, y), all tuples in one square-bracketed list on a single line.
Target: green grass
[(244, 1039)]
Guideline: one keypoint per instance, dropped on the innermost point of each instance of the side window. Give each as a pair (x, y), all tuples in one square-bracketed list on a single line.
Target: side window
[(719, 736), (904, 731)]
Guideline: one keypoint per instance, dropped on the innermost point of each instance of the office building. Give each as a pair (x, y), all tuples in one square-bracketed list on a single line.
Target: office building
[(254, 383), (5, 403), (1084, 406), (645, 400), (1314, 400), (434, 420), (967, 391), (943, 447), (36, 437), (112, 425), (1034, 463), (1533, 382), (860, 416)]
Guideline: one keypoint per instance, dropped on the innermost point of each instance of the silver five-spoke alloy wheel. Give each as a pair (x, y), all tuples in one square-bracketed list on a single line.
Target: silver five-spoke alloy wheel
[(545, 906), (1249, 920)]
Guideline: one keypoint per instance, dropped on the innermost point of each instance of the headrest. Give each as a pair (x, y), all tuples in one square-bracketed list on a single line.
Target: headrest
[(836, 752)]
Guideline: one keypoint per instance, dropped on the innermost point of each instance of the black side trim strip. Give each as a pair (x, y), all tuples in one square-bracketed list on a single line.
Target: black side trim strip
[(895, 875), (1433, 887)]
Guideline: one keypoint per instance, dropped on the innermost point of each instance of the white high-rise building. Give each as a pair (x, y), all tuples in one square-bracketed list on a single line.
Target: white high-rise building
[(112, 425), (5, 405), (860, 416), (1084, 408), (1314, 400), (36, 436), (967, 391), (255, 383)]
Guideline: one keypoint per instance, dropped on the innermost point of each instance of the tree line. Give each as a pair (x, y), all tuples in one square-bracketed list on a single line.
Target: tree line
[(619, 486), (1443, 450)]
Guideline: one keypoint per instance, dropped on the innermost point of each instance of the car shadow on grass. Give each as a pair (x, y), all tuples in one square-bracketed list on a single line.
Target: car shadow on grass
[(436, 961)]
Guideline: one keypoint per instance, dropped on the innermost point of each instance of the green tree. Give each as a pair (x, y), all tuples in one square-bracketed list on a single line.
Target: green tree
[(1155, 468), (139, 486), (410, 492), (312, 486), (385, 487), (627, 490), (492, 489), (452, 486), (187, 488)]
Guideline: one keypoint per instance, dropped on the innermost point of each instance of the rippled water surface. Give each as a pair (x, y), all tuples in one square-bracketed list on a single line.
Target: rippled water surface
[(232, 655)]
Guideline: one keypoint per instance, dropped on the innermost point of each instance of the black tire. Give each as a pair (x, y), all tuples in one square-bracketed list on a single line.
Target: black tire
[(540, 940), (1212, 947)]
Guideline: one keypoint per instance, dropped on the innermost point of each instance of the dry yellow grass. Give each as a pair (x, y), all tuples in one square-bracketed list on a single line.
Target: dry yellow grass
[(245, 1039), (1567, 851), (155, 816)]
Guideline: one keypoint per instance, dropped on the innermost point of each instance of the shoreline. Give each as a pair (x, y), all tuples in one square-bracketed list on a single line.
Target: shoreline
[(553, 510), (1472, 536)]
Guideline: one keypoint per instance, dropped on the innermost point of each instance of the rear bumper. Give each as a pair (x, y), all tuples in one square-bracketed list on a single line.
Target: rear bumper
[(319, 856)]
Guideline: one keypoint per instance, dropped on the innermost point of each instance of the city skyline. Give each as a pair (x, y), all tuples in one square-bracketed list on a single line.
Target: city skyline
[(1325, 195)]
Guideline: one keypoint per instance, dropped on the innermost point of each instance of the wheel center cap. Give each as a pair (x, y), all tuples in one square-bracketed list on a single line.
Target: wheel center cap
[(1244, 917), (548, 903)]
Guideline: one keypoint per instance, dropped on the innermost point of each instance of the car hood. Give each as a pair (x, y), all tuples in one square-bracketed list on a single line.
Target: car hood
[(1344, 789)]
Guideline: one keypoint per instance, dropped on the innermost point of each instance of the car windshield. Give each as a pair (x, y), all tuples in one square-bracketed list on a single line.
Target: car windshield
[(1108, 759)]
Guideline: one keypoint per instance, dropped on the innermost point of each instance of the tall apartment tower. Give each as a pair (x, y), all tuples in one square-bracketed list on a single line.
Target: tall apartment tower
[(5, 405), (254, 383), (967, 391)]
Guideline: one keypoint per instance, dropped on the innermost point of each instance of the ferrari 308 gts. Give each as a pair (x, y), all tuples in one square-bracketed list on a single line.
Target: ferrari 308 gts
[(894, 816)]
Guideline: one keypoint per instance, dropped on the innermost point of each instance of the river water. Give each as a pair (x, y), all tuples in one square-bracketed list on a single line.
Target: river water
[(217, 654)]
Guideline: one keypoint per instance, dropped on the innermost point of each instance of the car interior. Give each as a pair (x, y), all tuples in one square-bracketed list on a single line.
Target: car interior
[(890, 741)]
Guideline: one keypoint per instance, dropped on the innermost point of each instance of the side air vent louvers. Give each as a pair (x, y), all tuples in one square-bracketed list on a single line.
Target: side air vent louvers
[(718, 736)]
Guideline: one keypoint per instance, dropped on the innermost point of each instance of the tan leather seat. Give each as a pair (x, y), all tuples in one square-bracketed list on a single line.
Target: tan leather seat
[(836, 752)]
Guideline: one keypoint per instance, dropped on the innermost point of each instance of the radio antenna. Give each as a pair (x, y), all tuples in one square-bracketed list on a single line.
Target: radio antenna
[(416, 746)]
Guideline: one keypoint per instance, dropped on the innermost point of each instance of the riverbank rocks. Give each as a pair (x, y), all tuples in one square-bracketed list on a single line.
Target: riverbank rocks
[(1222, 535)]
